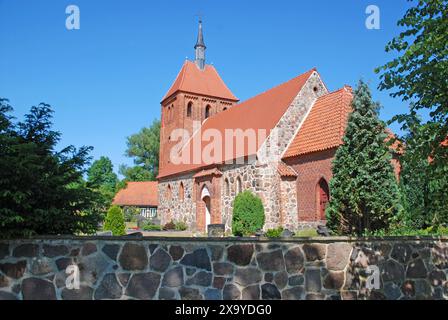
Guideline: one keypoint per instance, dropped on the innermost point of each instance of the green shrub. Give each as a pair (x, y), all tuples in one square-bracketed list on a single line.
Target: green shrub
[(406, 231), (274, 233), (148, 226), (115, 221), (169, 226), (181, 226), (248, 214), (307, 233)]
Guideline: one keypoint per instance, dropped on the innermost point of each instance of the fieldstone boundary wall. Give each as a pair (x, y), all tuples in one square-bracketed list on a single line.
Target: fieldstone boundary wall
[(225, 268)]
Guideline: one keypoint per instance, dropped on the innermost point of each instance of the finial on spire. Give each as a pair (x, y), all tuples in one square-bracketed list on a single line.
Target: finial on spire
[(200, 48)]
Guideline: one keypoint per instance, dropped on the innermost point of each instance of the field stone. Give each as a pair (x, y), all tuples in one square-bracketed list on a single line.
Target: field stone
[(88, 249), (198, 258), (314, 251), (416, 269), (83, 293), (401, 252), (41, 266), (222, 268), (334, 280), (190, 294), (4, 250), (38, 289), (392, 271), (4, 281), (247, 276), (338, 255), (240, 254), (176, 252), (313, 280), (297, 280), (213, 294), (111, 250), (281, 279), (251, 292), (166, 294), (109, 288), (28, 250), (270, 292), (437, 277), (295, 293), (271, 261), (173, 278), (160, 260), (202, 278), (133, 257), (231, 292), (14, 270), (294, 260), (52, 251), (143, 285)]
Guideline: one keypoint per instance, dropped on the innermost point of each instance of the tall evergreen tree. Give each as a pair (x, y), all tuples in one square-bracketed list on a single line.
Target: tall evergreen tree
[(41, 189), (364, 190)]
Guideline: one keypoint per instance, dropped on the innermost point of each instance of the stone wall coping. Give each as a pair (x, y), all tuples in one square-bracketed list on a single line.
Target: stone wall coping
[(233, 239)]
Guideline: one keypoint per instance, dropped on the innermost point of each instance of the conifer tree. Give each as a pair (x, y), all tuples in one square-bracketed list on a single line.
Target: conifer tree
[(364, 191)]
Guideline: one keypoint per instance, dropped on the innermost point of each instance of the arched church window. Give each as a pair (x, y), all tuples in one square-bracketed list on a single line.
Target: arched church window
[(238, 185), (189, 107), (181, 192), (227, 187), (168, 192), (208, 110)]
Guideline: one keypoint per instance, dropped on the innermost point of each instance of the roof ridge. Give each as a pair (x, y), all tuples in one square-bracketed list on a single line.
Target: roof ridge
[(277, 86)]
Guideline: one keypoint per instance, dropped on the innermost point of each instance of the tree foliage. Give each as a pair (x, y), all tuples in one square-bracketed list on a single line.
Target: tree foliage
[(424, 183), (364, 190), (248, 214), (101, 177), (115, 221), (143, 147), (419, 73), (41, 189)]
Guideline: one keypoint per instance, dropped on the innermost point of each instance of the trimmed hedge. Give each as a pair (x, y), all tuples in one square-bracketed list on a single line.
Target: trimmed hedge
[(248, 214)]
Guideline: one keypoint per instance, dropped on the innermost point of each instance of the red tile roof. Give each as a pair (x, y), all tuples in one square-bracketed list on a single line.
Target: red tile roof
[(260, 112), (143, 193), (325, 124), (205, 82), (285, 171)]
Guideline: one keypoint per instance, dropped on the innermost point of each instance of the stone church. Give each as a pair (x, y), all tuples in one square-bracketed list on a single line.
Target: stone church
[(288, 167)]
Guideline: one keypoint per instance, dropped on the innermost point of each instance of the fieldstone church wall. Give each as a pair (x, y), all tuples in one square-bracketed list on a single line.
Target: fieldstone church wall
[(228, 268)]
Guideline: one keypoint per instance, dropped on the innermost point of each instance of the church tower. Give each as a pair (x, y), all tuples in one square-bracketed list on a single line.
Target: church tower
[(197, 93)]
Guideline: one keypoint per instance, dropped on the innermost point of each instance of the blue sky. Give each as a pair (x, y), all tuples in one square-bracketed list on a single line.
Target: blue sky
[(105, 81)]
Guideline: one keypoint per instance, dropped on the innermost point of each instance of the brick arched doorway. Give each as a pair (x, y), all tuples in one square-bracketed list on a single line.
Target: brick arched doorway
[(323, 197), (205, 198)]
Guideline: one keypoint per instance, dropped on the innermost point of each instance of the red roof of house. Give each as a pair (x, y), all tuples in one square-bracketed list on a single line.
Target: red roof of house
[(144, 193), (205, 82), (325, 124), (260, 112)]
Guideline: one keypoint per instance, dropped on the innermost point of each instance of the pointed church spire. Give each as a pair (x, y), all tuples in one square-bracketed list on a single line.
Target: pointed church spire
[(200, 49)]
